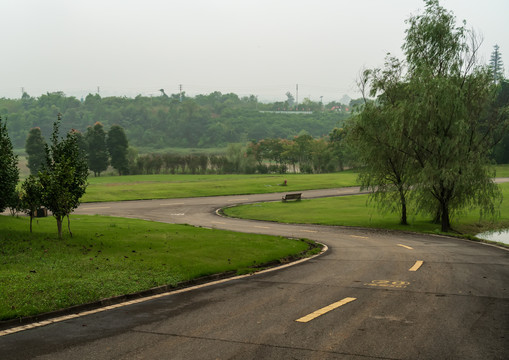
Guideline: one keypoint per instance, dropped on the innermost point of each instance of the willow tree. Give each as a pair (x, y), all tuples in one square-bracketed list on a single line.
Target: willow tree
[(375, 134), (437, 114), (445, 122)]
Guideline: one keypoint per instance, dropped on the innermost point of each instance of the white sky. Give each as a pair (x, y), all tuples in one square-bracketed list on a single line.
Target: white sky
[(259, 47)]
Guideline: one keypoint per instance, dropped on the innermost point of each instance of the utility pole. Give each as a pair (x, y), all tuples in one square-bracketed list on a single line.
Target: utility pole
[(297, 96), (180, 92)]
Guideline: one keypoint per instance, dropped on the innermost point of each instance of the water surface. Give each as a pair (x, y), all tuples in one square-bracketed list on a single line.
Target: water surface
[(497, 235)]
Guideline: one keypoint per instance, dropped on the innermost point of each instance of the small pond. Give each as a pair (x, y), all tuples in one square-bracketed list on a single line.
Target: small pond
[(497, 235)]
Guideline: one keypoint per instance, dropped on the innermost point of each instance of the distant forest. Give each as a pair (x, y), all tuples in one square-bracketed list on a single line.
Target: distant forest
[(212, 120)]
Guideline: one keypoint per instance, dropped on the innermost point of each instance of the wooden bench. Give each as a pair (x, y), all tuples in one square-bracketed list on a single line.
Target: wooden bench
[(294, 196)]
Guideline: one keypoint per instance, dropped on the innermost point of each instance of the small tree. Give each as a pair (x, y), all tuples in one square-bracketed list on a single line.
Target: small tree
[(97, 150), (497, 65), (117, 147), (64, 176), (31, 197), (336, 144), (34, 147), (9, 172)]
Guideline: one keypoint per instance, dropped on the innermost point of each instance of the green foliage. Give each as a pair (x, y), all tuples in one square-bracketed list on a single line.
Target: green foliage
[(375, 134), (212, 120), (501, 109), (64, 176), (9, 172), (31, 196), (34, 148), (497, 65), (117, 147), (97, 150)]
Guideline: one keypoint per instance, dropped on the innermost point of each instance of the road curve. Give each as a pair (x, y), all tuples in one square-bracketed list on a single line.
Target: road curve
[(373, 295)]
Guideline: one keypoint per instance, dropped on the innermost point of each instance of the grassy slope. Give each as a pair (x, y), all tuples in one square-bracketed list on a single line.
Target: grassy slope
[(113, 256), (358, 211)]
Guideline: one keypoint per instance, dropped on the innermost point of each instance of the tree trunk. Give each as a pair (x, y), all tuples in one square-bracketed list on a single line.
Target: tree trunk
[(438, 215), (59, 226), (69, 224), (446, 224), (31, 217), (403, 208)]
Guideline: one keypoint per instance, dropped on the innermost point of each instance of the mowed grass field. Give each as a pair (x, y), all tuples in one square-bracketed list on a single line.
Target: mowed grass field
[(358, 211), (139, 187), (110, 256)]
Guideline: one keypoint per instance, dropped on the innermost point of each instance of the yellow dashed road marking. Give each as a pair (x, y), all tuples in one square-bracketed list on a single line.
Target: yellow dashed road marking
[(325, 310), (416, 266), (309, 231), (262, 227), (217, 222), (406, 247), (360, 237), (388, 283)]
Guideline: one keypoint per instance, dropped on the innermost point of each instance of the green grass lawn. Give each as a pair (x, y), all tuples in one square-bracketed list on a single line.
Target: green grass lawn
[(114, 256), (358, 211), (138, 187), (502, 170)]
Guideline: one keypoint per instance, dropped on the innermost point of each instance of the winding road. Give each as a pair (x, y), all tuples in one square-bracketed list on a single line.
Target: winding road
[(372, 295)]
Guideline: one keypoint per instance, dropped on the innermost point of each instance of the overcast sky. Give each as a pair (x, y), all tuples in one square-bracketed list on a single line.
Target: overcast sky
[(259, 47)]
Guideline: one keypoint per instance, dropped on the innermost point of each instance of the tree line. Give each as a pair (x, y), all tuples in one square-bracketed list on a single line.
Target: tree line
[(303, 154), (101, 149), (158, 122)]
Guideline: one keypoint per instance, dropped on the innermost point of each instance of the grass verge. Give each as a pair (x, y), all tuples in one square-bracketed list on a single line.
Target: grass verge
[(115, 256), (358, 211)]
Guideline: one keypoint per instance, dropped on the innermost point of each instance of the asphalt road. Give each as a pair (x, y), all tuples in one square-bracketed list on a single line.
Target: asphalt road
[(372, 295)]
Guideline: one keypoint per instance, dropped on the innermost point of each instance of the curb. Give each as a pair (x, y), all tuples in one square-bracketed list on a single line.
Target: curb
[(31, 322)]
